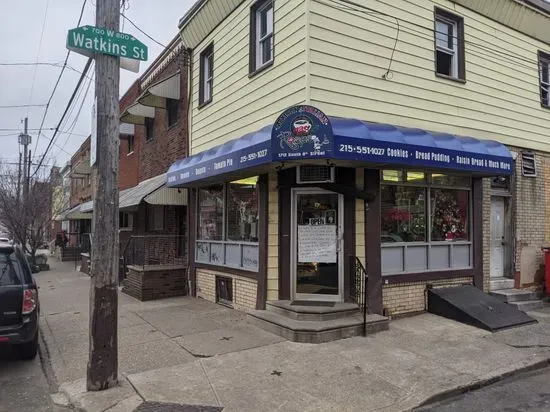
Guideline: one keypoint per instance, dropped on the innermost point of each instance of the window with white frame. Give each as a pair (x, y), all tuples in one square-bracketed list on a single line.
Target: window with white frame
[(449, 44), (261, 35), (425, 222), (544, 74), (228, 219), (206, 75)]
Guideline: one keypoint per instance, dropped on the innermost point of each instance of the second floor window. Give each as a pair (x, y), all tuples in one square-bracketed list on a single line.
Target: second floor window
[(449, 45), (172, 111), (206, 75), (130, 140), (544, 73), (149, 129), (261, 35)]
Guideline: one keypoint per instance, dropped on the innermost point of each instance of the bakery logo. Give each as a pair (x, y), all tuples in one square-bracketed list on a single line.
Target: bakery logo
[(302, 133)]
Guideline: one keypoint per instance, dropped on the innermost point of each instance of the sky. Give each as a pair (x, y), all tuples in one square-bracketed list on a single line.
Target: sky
[(36, 31)]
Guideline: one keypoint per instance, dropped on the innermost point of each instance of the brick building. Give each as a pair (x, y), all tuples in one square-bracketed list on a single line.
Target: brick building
[(153, 217)]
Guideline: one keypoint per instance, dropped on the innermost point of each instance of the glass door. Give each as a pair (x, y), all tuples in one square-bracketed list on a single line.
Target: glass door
[(317, 245)]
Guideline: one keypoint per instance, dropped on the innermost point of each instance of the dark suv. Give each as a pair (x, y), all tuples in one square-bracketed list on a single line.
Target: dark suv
[(19, 305)]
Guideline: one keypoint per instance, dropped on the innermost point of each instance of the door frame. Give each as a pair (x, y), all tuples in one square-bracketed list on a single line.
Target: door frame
[(492, 240), (294, 246)]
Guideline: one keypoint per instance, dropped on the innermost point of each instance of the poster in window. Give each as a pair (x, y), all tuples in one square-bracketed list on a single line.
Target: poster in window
[(317, 243)]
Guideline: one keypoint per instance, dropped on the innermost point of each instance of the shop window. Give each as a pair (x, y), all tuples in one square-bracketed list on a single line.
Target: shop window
[(528, 164), (155, 217), (544, 76), (126, 220), (130, 141), (227, 232), (172, 111), (206, 75), (261, 35), (425, 222), (149, 129), (449, 45), (224, 290)]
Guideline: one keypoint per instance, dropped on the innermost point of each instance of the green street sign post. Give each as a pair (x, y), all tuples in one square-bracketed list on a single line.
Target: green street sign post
[(89, 40)]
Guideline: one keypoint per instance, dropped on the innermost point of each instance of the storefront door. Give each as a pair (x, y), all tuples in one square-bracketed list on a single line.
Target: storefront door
[(497, 237), (317, 245)]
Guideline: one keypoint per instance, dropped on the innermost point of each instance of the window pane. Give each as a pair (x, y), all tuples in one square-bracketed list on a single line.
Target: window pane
[(266, 48), (149, 128), (449, 180), (8, 267), (172, 109), (444, 63), (444, 34), (450, 214), (269, 17), (210, 210), (403, 214), (242, 210), (402, 176)]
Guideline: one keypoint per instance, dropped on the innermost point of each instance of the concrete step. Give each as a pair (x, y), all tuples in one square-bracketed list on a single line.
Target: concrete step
[(516, 295), (529, 305), (316, 331), (502, 283), (313, 313)]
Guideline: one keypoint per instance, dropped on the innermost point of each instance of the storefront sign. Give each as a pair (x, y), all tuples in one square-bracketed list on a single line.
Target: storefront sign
[(302, 132), (317, 243)]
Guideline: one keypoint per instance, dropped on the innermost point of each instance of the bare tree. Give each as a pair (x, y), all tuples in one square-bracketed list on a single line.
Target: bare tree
[(27, 217)]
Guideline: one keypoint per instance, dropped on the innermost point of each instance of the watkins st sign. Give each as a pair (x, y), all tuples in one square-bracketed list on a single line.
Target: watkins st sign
[(89, 40)]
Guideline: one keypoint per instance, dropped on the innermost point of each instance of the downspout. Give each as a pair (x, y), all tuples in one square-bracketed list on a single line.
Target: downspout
[(308, 52)]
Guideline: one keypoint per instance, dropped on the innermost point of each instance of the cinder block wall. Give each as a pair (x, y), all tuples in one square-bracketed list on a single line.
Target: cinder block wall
[(273, 240), (244, 289), (403, 298), (486, 235)]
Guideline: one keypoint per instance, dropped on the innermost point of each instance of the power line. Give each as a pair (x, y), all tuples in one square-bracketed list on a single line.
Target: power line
[(21, 105), (39, 48), (57, 82), (40, 64), (82, 77), (141, 31)]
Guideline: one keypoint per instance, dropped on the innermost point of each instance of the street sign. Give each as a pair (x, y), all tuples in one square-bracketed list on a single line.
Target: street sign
[(89, 40)]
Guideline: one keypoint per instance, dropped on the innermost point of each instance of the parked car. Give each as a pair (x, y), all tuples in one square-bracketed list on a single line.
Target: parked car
[(19, 304)]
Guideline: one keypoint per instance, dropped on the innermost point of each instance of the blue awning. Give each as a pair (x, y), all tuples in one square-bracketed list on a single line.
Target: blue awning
[(348, 140)]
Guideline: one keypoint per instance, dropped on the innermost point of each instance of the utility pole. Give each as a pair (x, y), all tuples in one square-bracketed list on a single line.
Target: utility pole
[(25, 140), (103, 356), (19, 182)]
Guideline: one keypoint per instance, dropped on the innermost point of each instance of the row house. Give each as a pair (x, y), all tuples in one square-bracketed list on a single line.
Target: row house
[(405, 138), (153, 217)]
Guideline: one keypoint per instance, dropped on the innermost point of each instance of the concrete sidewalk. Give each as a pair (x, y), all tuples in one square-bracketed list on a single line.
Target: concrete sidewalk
[(190, 352)]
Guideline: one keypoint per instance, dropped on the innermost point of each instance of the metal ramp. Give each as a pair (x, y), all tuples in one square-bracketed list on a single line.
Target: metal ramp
[(470, 305)]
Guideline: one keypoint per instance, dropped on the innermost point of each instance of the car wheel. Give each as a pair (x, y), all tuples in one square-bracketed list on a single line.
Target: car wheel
[(28, 350)]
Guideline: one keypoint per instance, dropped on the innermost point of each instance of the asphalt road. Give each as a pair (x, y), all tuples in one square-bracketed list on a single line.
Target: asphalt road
[(23, 386), (528, 392)]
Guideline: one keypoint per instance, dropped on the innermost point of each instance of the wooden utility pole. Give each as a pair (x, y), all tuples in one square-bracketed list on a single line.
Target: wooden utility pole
[(103, 356)]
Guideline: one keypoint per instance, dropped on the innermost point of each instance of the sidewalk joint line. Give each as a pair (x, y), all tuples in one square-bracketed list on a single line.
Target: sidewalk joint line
[(210, 383)]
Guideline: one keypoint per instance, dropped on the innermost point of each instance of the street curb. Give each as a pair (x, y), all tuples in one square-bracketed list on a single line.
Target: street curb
[(45, 363), (451, 393)]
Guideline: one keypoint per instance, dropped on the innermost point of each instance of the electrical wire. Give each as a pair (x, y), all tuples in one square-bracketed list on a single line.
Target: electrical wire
[(141, 31), (21, 105), (39, 48), (57, 82), (52, 139)]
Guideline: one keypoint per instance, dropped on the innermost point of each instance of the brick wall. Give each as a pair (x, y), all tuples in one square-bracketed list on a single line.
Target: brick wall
[(128, 161), (160, 283), (168, 144), (81, 188), (244, 289), (531, 223), (410, 297)]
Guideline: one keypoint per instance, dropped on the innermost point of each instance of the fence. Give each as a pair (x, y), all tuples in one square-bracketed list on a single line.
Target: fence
[(359, 287), (155, 250)]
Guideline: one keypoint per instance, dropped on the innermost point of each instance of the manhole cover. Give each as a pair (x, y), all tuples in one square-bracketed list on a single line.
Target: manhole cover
[(174, 407)]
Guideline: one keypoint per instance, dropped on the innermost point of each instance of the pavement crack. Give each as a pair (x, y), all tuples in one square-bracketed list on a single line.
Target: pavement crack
[(134, 388), (528, 346), (210, 383)]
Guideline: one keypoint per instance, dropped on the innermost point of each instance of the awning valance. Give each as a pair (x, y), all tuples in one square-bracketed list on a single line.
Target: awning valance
[(130, 198), (157, 93), (76, 213), (136, 114), (303, 133), (87, 207)]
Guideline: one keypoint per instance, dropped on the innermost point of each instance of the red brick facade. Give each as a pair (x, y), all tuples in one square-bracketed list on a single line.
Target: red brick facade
[(129, 159), (81, 184), (169, 143)]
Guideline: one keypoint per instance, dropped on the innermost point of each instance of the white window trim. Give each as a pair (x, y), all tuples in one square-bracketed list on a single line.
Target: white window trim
[(261, 40), (452, 52), (208, 76), (545, 83)]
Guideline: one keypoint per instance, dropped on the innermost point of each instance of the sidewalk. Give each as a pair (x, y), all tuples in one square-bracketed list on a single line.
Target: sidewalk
[(190, 352)]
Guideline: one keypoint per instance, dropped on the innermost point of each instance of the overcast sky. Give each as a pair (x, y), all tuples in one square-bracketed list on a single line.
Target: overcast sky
[(21, 24)]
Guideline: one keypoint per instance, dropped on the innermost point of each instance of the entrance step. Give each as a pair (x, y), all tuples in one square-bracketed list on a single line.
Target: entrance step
[(502, 283), (315, 322), (529, 305), (312, 313), (516, 295)]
